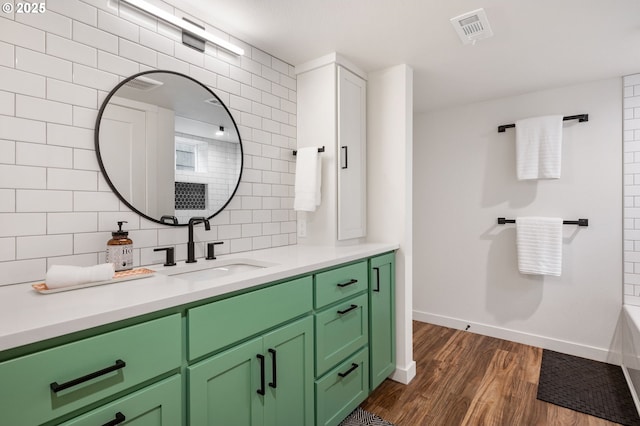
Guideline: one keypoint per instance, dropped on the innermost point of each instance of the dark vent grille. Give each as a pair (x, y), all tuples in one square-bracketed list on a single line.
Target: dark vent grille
[(191, 196)]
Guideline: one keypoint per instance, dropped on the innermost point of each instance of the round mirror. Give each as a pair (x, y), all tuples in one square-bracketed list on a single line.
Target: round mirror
[(168, 147)]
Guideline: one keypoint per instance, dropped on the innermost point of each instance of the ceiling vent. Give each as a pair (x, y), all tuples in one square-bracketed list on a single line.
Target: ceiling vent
[(472, 26), (143, 83)]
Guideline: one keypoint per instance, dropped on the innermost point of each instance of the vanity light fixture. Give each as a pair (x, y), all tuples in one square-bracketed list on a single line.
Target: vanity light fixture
[(220, 131), (184, 25)]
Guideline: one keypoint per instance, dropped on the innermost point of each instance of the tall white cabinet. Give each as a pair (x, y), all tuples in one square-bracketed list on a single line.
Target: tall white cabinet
[(332, 113)]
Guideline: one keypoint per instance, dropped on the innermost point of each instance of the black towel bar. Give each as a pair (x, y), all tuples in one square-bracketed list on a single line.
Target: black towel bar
[(580, 117), (579, 222), (321, 149)]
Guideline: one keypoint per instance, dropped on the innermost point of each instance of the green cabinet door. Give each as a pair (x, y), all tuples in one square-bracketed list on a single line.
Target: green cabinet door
[(265, 381), (223, 388), (382, 318), (289, 391)]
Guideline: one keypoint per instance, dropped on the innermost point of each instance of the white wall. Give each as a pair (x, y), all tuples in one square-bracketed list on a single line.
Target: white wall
[(389, 191), (631, 128), (55, 70), (465, 264)]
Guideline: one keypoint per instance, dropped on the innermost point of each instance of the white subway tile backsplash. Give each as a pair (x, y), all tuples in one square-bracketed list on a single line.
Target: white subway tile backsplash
[(240, 216), (91, 77), (84, 159), (19, 34), (14, 176), (280, 66), (631, 80), (69, 223), (261, 216), (19, 224), (71, 94), (108, 221), (95, 201), (94, 37), (7, 200), (40, 63), (17, 81), (7, 152), (156, 42), (631, 126), (50, 21), (227, 232), (217, 66), (7, 249), (271, 74), (75, 9), (280, 240), (90, 242), (71, 50), (89, 259), (72, 179), (22, 271), (250, 93), (240, 245), (29, 200), (263, 242), (84, 117), (75, 137), (271, 126), (240, 75), (120, 27), (189, 55), (203, 76), (30, 154), (7, 55), (117, 65), (138, 53), (43, 110)]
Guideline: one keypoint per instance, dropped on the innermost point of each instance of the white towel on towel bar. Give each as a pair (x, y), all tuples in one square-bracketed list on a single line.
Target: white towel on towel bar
[(539, 147), (539, 241), (308, 180)]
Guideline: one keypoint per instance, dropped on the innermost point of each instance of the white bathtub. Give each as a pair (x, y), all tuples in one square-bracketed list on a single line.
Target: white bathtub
[(631, 350)]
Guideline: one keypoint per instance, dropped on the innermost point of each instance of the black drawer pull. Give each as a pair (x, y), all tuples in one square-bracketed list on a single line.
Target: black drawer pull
[(352, 281), (117, 366), (119, 419), (274, 369), (261, 390), (349, 371), (345, 157), (349, 309), (377, 289)]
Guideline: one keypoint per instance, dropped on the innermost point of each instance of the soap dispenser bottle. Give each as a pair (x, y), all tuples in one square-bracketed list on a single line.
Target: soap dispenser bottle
[(120, 249)]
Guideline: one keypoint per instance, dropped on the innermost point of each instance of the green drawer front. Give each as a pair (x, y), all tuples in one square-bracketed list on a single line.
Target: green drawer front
[(220, 324), (156, 405), (338, 283), (340, 335), (337, 396), (148, 349)]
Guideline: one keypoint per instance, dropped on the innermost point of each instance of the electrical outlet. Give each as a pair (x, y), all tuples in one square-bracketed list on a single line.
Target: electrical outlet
[(302, 227)]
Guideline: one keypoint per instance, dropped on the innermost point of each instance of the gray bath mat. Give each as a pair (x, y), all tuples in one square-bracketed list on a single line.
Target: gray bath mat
[(360, 417), (595, 388)]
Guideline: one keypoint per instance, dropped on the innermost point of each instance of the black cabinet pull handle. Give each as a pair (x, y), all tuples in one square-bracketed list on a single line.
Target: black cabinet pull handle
[(346, 157), (261, 390), (352, 281), (119, 419), (117, 366), (274, 369), (377, 289), (349, 371), (349, 309)]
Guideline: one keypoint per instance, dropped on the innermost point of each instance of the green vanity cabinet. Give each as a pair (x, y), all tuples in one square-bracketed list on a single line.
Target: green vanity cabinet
[(265, 381), (381, 318), (157, 405), (47, 384)]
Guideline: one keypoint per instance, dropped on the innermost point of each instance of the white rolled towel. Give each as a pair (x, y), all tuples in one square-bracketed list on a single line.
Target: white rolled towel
[(66, 275)]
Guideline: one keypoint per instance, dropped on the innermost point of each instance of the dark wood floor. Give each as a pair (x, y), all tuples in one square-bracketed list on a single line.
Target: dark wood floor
[(468, 379)]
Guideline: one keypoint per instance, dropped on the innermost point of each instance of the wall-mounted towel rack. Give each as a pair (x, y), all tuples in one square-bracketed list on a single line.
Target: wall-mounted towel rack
[(321, 149), (579, 222), (580, 117)]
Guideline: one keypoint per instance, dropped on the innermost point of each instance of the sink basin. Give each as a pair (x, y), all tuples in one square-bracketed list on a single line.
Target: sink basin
[(208, 269)]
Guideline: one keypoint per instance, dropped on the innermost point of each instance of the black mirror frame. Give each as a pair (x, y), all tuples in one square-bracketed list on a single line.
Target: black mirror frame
[(101, 164)]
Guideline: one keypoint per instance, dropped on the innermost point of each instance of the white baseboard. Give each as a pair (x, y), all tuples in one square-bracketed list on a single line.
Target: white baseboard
[(564, 346), (404, 375)]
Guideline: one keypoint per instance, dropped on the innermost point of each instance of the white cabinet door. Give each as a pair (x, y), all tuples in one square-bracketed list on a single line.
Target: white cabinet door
[(352, 199)]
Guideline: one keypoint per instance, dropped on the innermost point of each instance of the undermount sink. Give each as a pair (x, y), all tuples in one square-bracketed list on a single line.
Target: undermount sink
[(208, 269)]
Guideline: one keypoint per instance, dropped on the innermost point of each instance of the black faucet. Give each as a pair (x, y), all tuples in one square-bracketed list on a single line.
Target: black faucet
[(191, 255)]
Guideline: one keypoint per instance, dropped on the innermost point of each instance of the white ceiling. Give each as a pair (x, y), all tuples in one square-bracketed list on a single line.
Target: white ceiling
[(537, 44)]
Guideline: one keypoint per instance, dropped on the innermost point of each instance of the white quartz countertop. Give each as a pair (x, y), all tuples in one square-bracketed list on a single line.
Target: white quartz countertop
[(27, 316)]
